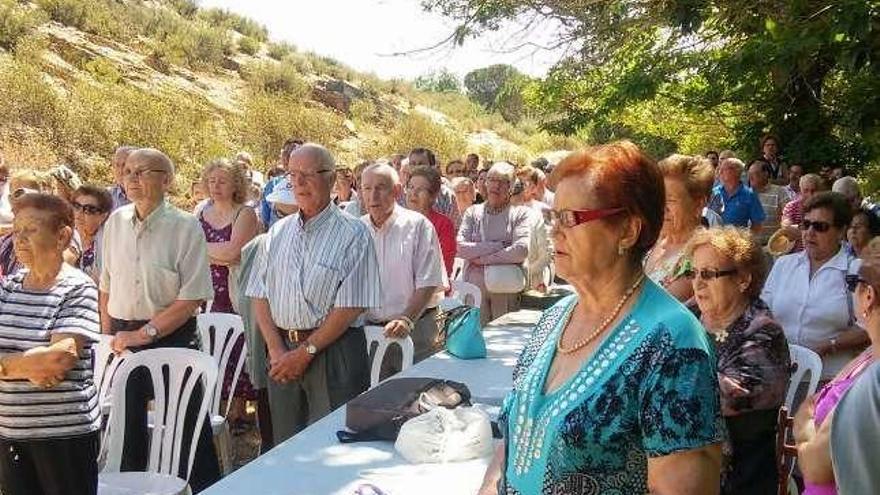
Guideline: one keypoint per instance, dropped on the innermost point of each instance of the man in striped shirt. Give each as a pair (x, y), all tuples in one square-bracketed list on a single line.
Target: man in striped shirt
[(315, 275)]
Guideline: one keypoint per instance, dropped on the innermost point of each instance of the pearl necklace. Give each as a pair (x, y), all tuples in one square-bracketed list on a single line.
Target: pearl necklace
[(602, 327)]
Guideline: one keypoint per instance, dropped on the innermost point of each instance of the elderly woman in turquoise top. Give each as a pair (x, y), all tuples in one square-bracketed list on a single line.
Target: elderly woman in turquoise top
[(616, 391)]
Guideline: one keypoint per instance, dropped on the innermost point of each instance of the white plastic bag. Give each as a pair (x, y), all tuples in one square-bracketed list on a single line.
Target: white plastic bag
[(446, 435)]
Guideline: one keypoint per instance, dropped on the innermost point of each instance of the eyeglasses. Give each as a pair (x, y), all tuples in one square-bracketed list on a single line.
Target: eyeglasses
[(707, 274), (87, 209), (497, 181), (307, 176), (139, 174), (817, 226), (853, 280), (416, 190), (573, 218)]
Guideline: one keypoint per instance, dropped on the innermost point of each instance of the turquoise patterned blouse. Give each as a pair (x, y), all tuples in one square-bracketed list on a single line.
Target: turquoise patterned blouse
[(649, 390)]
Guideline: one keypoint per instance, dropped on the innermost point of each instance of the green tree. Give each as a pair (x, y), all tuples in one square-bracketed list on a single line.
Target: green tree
[(441, 81), (805, 70), (484, 85)]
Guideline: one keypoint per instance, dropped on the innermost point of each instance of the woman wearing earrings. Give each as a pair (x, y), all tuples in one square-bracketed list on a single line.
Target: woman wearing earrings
[(752, 354), (807, 293), (616, 391)]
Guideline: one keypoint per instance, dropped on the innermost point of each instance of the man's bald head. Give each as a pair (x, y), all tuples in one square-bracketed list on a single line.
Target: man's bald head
[(319, 156), (153, 159), (385, 171)]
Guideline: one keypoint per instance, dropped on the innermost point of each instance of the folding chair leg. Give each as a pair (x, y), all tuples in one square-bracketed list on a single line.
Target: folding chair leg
[(223, 443)]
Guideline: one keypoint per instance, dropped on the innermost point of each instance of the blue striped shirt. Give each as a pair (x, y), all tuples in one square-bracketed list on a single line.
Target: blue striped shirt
[(306, 269)]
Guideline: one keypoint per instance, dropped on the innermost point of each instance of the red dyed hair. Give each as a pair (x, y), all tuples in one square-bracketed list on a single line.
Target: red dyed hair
[(622, 176)]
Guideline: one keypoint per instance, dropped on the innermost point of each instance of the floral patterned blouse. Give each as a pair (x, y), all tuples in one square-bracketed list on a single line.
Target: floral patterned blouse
[(649, 390), (754, 352)]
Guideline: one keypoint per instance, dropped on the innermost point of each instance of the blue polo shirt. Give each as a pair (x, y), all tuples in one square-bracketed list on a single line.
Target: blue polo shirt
[(742, 208)]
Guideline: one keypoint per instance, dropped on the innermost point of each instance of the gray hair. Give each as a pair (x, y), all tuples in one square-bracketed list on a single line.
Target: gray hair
[(733, 162), (382, 169), (847, 186), (504, 169), (155, 158), (318, 153)]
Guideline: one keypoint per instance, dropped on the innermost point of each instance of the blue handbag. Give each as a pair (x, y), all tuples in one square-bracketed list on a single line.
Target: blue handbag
[(464, 334)]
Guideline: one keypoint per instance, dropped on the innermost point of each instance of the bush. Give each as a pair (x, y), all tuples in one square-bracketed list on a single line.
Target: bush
[(270, 119), (280, 50), (16, 22), (248, 45), (418, 131), (230, 20), (186, 8), (363, 111), (275, 78), (27, 99), (200, 47), (101, 17)]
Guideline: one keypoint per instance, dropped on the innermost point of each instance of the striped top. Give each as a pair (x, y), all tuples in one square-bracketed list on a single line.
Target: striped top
[(28, 319), (306, 269)]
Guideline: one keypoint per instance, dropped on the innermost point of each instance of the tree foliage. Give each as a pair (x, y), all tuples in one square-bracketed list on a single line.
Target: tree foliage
[(483, 85), (806, 70), (441, 81)]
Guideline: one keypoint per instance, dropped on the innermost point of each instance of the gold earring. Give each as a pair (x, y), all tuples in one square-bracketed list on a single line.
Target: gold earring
[(621, 249)]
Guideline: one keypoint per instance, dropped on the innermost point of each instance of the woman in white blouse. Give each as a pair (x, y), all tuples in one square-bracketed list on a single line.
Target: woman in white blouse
[(807, 291)]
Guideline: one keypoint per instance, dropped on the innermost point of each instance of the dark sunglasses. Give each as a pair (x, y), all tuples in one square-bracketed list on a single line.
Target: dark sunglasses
[(573, 218), (706, 274), (87, 209), (853, 281), (817, 226)]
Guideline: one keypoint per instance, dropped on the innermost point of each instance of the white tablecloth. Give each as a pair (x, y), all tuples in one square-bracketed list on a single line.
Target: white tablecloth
[(315, 463)]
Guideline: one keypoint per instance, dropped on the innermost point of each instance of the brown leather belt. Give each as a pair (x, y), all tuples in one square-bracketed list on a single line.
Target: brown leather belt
[(298, 336)]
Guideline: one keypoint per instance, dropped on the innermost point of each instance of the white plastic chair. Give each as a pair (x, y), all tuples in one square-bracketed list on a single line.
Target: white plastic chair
[(106, 365), (185, 368), (804, 360), (377, 334), (461, 290), (219, 333)]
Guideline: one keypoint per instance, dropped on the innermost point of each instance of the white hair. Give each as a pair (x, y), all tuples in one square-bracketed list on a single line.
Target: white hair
[(383, 169), (504, 169), (319, 153), (847, 186)]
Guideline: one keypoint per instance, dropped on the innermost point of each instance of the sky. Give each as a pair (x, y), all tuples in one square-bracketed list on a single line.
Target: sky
[(363, 33)]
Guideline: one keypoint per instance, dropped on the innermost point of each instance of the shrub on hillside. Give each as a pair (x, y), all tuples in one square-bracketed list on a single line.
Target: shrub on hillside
[(101, 17), (16, 22), (186, 8), (363, 110), (274, 78), (416, 130), (280, 50), (199, 47), (269, 119), (231, 20), (27, 99), (248, 45)]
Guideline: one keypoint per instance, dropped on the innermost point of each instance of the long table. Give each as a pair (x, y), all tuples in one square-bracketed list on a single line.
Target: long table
[(314, 462)]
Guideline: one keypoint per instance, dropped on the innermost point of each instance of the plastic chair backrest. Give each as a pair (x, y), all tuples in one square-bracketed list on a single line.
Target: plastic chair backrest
[(184, 369), (377, 334), (804, 360), (461, 290), (106, 364), (219, 333)]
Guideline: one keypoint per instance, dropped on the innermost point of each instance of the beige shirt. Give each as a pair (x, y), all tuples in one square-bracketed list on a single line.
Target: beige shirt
[(409, 257), (150, 264)]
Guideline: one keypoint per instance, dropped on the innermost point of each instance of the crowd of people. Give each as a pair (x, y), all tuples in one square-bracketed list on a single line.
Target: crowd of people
[(662, 372)]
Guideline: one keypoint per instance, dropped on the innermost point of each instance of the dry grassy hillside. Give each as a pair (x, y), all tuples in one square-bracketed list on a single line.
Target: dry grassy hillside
[(78, 77)]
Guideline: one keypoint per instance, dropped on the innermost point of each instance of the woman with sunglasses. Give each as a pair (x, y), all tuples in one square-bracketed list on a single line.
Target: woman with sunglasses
[(616, 391), (813, 422), (728, 268), (807, 293), (91, 207)]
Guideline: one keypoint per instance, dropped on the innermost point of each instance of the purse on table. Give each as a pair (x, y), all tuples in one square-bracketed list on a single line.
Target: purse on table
[(463, 333)]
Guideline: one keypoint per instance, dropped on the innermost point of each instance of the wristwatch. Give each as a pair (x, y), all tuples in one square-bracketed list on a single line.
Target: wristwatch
[(151, 331), (311, 348), (833, 342)]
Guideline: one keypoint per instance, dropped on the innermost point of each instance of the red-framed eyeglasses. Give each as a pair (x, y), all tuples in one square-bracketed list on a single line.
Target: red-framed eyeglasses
[(573, 218)]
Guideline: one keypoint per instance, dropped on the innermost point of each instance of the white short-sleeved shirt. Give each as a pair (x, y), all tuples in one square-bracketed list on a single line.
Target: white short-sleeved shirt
[(409, 257), (813, 311), (148, 264)]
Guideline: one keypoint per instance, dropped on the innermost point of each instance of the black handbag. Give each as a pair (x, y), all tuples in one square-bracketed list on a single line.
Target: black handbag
[(378, 413)]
